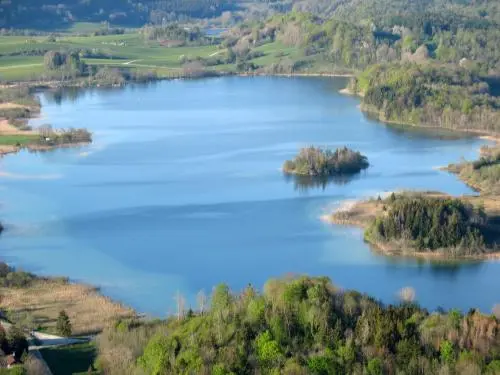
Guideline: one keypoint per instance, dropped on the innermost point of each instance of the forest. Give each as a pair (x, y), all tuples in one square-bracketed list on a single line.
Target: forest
[(445, 96), (50, 14), (303, 325), (429, 224)]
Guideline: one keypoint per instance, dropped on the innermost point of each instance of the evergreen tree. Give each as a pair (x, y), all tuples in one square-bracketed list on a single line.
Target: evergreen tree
[(63, 324)]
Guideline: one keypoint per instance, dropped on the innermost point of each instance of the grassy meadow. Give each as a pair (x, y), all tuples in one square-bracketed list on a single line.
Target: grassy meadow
[(22, 58), (39, 305), (127, 50)]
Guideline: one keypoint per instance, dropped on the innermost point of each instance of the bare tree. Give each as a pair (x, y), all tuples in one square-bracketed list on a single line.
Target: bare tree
[(181, 305), (201, 299), (407, 294)]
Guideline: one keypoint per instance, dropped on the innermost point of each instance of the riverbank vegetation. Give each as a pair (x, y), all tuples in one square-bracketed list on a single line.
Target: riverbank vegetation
[(483, 174), (303, 326), (34, 302), (323, 162)]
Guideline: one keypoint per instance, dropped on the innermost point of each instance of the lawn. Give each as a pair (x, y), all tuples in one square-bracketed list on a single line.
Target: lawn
[(70, 360), (21, 139)]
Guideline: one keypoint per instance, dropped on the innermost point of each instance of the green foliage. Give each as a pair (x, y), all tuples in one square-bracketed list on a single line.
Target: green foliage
[(446, 352), (12, 278), (307, 327), (155, 360), (50, 137), (429, 224), (431, 95), (482, 174), (315, 161), (374, 367), (268, 350), (67, 63), (63, 325)]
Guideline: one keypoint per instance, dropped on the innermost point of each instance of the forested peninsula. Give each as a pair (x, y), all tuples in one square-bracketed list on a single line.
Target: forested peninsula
[(435, 225)]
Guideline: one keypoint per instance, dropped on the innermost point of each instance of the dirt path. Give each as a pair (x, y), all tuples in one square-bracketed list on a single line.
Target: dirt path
[(130, 62), (11, 105), (46, 340), (18, 66)]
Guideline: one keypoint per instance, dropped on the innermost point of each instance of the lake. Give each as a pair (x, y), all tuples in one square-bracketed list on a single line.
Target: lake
[(182, 190)]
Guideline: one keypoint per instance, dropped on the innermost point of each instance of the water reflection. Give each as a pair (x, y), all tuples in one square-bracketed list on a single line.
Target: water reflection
[(304, 183), (446, 268), (73, 94), (419, 132)]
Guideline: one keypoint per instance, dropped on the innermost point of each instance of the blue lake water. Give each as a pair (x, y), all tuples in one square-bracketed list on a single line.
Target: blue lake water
[(182, 189)]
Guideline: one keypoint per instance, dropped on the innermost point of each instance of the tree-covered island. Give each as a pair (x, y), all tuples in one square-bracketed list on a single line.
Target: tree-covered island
[(323, 162)]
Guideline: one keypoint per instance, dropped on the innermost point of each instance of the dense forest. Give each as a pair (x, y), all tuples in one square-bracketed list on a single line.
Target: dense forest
[(49, 14), (431, 224), (303, 326)]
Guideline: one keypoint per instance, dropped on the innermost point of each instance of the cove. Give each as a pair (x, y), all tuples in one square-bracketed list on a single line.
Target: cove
[(182, 189)]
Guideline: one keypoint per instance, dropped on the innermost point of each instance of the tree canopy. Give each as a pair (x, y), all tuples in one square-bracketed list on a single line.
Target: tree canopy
[(304, 326)]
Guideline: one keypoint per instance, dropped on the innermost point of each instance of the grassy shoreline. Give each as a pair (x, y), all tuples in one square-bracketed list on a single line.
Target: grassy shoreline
[(41, 301)]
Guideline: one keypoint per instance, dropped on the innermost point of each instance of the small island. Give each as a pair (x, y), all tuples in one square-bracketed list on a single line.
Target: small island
[(425, 225), (323, 162)]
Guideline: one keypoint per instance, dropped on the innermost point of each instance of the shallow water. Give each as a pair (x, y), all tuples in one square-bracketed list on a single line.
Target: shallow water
[(182, 189)]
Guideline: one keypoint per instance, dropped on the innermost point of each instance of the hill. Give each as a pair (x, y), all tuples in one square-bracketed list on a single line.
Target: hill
[(53, 14)]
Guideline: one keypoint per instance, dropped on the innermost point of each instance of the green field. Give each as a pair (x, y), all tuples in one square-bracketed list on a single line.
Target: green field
[(21, 139), (70, 360), (128, 50)]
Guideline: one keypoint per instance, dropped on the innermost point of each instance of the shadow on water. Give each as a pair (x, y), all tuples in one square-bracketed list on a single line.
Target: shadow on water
[(305, 183), (444, 268), (73, 94), (420, 132)]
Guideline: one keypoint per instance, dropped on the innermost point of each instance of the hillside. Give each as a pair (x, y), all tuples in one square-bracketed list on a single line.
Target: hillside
[(304, 326), (53, 14)]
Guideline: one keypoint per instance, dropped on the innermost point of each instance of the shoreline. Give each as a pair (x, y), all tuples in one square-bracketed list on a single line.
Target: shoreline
[(465, 132), (83, 83), (482, 134), (8, 129), (43, 298)]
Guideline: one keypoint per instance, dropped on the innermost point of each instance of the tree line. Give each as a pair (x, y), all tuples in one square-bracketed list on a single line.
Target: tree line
[(303, 326)]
